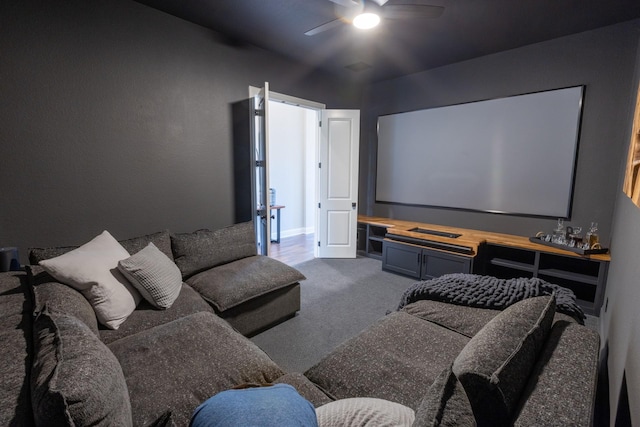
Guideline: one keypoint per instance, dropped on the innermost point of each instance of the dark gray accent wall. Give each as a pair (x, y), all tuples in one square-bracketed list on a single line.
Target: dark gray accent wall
[(117, 116), (620, 316), (602, 60)]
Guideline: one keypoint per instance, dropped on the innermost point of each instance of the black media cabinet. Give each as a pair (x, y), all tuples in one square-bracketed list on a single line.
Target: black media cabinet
[(423, 256)]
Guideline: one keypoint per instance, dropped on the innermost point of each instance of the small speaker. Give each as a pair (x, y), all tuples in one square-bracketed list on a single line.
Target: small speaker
[(9, 259)]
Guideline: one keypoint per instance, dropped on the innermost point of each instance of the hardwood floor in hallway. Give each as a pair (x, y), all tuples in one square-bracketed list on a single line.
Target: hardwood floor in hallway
[(293, 250)]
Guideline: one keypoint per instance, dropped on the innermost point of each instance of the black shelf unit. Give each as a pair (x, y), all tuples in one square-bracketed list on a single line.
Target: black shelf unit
[(586, 277), (370, 238)]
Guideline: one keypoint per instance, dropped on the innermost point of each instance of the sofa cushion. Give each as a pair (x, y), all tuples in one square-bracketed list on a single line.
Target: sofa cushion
[(203, 249), (495, 365), (459, 318), (566, 367), (146, 316), (59, 298), (40, 254), (92, 269), (232, 284), (154, 275), (161, 240), (364, 411), (397, 359), (178, 365), (446, 404), (75, 379)]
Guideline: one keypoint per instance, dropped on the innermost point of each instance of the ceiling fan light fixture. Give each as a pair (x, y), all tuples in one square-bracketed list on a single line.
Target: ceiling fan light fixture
[(366, 21)]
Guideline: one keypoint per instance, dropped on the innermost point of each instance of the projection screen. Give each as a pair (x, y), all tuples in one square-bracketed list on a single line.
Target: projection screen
[(513, 155)]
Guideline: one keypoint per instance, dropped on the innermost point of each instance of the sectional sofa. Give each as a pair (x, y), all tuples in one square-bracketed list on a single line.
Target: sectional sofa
[(445, 364)]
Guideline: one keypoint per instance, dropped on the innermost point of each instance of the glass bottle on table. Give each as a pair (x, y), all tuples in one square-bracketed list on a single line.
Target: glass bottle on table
[(559, 233), (592, 235)]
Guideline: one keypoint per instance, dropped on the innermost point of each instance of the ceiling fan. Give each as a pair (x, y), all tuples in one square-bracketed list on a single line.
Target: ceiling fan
[(367, 13)]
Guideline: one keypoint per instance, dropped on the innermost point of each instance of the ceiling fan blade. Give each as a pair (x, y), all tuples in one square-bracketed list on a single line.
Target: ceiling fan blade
[(324, 27), (408, 11), (347, 3)]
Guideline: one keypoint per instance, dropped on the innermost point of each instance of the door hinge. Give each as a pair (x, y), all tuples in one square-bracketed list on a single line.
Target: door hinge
[(318, 243), (258, 112), (320, 124), (319, 206), (320, 165), (260, 163)]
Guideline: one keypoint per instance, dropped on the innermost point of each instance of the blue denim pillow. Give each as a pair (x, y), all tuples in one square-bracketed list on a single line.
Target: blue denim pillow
[(278, 405)]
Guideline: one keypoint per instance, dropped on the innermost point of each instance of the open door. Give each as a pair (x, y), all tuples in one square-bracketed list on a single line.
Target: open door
[(338, 184), (260, 134)]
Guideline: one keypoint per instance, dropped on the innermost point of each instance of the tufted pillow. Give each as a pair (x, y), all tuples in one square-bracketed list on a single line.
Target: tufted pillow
[(495, 364), (92, 269), (446, 404), (154, 275), (204, 249), (75, 380), (363, 412)]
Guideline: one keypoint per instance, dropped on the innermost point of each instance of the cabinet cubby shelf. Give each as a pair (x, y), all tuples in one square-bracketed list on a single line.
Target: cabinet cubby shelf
[(513, 264), (569, 275)]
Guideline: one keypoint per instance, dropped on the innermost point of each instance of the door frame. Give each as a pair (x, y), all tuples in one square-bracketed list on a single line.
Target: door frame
[(318, 107)]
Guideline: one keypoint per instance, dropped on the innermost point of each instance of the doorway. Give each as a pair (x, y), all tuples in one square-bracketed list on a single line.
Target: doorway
[(335, 136), (293, 145)]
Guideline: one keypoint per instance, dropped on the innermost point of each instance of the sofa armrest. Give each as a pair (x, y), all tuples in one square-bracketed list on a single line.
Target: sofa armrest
[(15, 354), (562, 387)]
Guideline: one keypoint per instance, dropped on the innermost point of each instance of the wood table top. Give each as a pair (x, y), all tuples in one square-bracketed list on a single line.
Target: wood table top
[(468, 237)]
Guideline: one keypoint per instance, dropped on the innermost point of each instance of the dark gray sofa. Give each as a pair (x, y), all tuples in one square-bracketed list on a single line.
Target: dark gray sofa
[(154, 370), (160, 364), (252, 292), (407, 357)]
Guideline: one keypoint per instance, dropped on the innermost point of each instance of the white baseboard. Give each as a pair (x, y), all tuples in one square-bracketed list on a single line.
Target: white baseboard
[(294, 232)]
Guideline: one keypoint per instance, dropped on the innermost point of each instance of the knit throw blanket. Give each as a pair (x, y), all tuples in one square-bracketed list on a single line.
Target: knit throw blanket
[(489, 292)]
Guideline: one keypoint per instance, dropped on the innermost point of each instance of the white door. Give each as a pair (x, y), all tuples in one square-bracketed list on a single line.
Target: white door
[(338, 184), (261, 150)]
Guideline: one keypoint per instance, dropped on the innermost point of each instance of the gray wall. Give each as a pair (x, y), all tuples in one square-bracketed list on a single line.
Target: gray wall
[(603, 60), (117, 116), (620, 323)]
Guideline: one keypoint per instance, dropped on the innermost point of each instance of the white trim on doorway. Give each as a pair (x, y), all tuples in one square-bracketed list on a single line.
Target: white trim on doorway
[(288, 99)]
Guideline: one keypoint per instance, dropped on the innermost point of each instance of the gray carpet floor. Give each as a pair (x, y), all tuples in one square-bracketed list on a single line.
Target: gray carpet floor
[(340, 298)]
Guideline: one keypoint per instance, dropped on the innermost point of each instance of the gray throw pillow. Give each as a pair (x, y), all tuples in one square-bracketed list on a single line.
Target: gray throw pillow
[(154, 275), (446, 404), (496, 363), (204, 249), (75, 379)]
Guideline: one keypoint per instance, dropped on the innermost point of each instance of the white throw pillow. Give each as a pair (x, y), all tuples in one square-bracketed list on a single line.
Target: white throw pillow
[(154, 275), (92, 269), (364, 412)]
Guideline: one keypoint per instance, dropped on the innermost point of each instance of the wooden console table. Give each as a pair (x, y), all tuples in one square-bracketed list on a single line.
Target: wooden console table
[(424, 251)]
